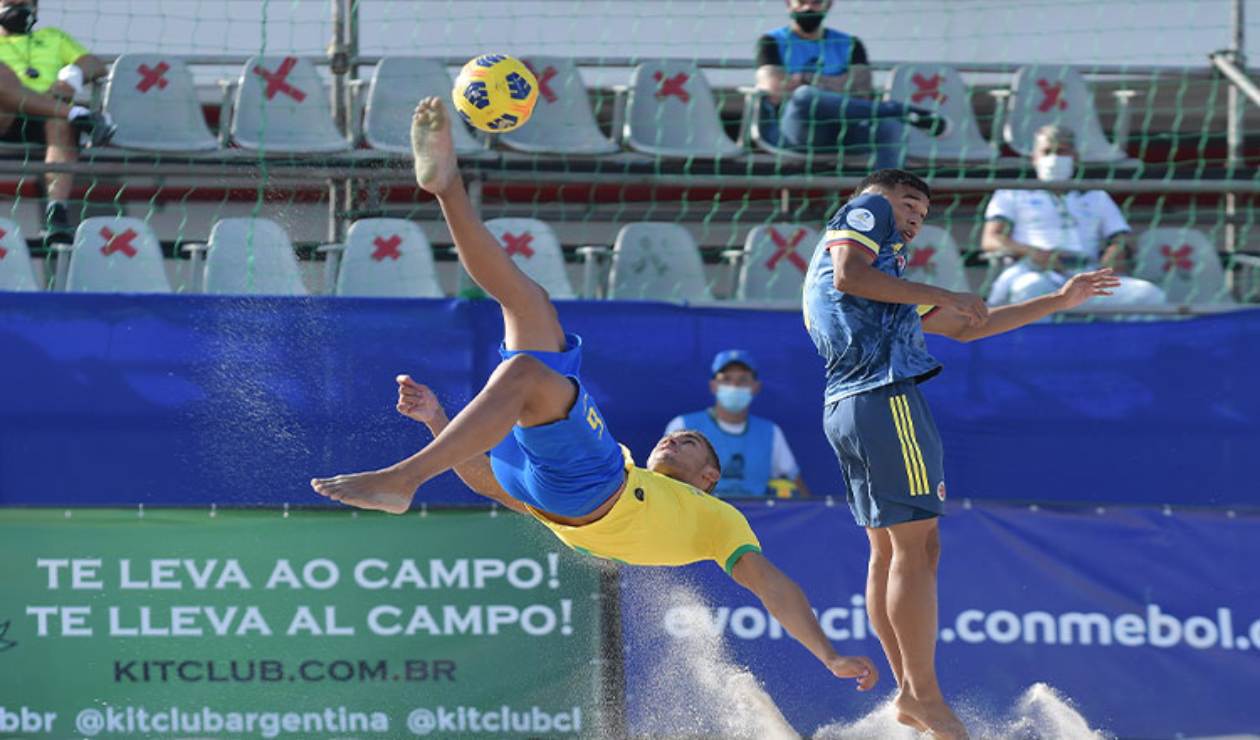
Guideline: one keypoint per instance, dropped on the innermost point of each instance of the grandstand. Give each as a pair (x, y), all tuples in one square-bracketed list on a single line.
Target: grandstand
[(260, 180)]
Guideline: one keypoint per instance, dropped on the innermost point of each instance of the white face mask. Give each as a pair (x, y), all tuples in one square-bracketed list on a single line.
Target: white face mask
[(1055, 167)]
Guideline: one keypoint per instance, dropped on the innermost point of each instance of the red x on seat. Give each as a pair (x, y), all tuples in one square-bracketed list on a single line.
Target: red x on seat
[(3, 252), (118, 242), (386, 248), (1180, 258), (786, 248), (927, 88), (151, 77), (518, 244), (921, 257), (1052, 96), (675, 86), (544, 82), (276, 81)]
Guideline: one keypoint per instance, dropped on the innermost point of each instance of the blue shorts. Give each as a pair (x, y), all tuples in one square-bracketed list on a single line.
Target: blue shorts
[(890, 454), (566, 467)]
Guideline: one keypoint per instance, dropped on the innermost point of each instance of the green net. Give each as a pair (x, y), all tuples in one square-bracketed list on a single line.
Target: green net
[(648, 112)]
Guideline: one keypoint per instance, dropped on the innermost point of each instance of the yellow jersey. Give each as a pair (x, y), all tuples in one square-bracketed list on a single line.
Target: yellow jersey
[(661, 521), (44, 50)]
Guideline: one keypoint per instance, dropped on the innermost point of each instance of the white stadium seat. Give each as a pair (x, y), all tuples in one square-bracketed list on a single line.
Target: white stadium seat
[(933, 258), (671, 113), (16, 271), (1045, 94), (116, 255), (939, 87), (387, 257), (153, 100), (562, 122), (774, 263), (398, 83), (282, 108), (657, 261), (534, 248), (251, 256), (1184, 263)]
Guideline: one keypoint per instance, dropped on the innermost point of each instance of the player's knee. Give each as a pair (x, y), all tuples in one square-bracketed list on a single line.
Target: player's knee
[(523, 369), (933, 548)]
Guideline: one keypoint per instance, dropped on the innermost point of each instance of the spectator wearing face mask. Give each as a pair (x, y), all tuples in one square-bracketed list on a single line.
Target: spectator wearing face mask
[(41, 72), (818, 92), (1050, 236), (754, 454)]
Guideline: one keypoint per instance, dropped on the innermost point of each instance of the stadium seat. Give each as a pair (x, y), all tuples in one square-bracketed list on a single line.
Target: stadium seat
[(116, 255), (535, 249), (773, 263), (671, 113), (1184, 263), (939, 87), (387, 257), (251, 256), (1045, 94), (398, 83), (933, 258), (281, 107), (16, 271), (563, 122), (154, 102), (657, 261)]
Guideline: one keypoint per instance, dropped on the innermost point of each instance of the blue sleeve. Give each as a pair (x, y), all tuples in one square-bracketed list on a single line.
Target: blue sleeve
[(866, 220)]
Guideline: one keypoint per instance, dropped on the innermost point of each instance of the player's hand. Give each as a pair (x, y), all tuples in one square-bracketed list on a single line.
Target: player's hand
[(1086, 285), (971, 307), (416, 401), (856, 666)]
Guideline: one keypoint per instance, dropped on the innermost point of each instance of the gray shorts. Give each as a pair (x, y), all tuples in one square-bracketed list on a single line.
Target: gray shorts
[(890, 455)]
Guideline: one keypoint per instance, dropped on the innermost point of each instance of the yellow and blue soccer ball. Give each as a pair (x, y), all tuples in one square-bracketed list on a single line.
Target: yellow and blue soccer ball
[(495, 93)]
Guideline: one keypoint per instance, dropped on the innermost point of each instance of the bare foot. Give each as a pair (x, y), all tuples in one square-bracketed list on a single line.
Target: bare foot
[(930, 716), (378, 490), (436, 166)]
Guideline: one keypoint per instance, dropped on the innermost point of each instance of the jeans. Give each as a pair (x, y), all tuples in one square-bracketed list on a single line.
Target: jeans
[(819, 121)]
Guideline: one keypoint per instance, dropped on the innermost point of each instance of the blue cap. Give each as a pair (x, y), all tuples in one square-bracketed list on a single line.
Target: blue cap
[(728, 356)]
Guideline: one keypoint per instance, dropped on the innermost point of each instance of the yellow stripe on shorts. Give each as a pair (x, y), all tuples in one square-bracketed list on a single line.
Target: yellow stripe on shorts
[(916, 452), (903, 438)]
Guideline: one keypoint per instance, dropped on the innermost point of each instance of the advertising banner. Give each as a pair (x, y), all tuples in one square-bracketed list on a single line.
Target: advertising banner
[(1137, 622), (167, 623), (260, 394)]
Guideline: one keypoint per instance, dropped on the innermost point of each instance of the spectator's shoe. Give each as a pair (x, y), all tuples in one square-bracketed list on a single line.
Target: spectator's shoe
[(931, 122), (96, 129), (57, 228)]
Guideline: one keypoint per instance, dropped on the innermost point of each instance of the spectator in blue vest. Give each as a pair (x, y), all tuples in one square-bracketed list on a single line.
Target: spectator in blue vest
[(752, 450), (818, 94)]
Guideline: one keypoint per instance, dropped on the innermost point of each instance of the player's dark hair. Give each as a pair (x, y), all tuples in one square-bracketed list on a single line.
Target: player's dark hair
[(713, 456), (891, 178)]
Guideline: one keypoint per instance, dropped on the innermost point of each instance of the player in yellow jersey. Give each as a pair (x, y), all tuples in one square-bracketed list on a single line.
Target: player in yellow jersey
[(551, 454)]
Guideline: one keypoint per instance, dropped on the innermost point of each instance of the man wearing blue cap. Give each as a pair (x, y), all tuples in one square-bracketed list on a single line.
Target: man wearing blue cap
[(752, 449)]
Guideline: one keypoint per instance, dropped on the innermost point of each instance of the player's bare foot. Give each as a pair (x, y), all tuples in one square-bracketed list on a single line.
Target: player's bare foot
[(436, 166), (934, 717), (378, 490)]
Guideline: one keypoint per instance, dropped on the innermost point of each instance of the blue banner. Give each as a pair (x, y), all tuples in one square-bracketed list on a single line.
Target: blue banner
[(1147, 622), (188, 400)]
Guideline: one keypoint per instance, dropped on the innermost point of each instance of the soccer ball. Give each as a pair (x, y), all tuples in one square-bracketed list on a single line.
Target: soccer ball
[(495, 93)]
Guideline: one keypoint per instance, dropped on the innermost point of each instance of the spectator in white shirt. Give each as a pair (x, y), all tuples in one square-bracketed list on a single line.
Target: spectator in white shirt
[(752, 450), (1054, 235)]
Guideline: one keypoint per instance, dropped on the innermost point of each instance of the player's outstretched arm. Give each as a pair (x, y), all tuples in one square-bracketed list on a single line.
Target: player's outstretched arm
[(784, 599), (418, 402), (856, 275), (948, 322)]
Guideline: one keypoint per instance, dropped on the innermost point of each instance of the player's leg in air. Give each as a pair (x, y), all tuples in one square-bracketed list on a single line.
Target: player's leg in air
[(522, 390)]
